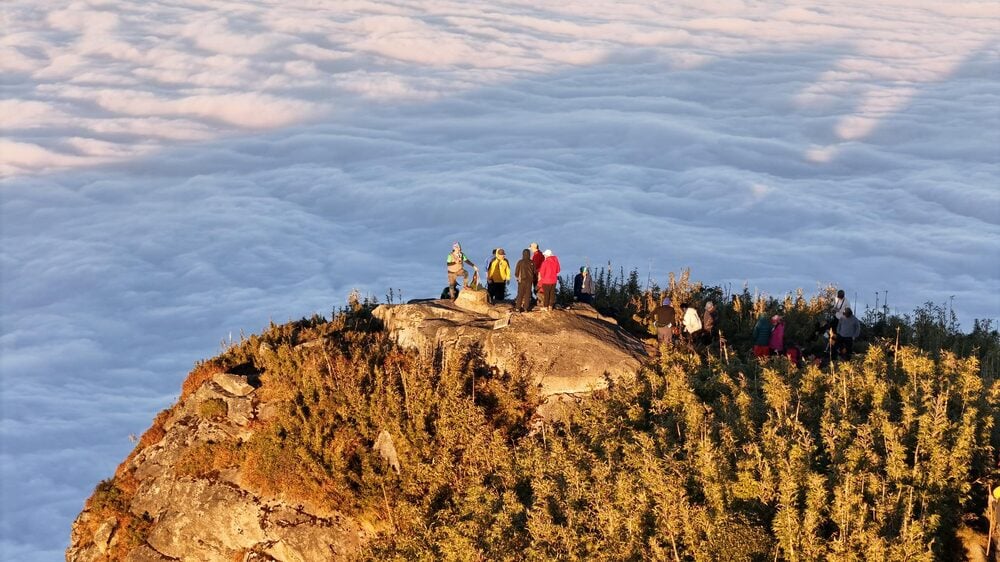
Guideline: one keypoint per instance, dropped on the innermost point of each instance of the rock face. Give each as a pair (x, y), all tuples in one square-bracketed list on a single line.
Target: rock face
[(210, 519), (566, 351), (180, 497)]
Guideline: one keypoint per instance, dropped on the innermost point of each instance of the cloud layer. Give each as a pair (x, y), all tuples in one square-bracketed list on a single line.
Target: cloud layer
[(175, 173)]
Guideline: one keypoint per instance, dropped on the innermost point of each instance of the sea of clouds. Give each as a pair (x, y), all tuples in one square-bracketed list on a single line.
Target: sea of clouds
[(176, 173)]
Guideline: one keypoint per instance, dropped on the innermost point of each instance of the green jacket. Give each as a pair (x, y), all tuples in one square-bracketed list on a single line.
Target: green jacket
[(762, 331)]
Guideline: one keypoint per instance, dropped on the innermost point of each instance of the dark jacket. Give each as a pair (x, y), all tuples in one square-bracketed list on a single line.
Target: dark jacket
[(524, 271), (663, 315), (762, 331)]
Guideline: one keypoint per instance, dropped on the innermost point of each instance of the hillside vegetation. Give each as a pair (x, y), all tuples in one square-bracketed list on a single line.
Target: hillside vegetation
[(699, 456)]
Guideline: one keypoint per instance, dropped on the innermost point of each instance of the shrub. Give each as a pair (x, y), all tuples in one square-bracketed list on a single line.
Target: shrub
[(213, 408)]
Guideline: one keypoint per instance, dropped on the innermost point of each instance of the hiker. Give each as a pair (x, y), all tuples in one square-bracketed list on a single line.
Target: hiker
[(536, 258), (447, 292), (848, 329), (497, 276), (692, 324), (663, 320), (708, 321), (794, 355), (548, 276), (526, 277), (777, 341), (762, 337), (583, 286), (840, 306), (456, 268)]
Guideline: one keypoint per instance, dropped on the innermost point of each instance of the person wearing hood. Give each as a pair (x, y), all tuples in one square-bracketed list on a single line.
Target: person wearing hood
[(497, 276), (456, 268), (583, 286), (762, 337), (663, 321), (777, 340), (548, 276), (526, 277)]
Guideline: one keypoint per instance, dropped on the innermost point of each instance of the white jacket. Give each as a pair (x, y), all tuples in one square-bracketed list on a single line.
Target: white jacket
[(691, 321)]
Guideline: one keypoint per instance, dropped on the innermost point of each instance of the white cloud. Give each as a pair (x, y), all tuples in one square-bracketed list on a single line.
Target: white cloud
[(176, 172)]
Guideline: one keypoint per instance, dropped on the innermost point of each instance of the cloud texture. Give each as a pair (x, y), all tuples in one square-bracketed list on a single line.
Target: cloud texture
[(175, 173)]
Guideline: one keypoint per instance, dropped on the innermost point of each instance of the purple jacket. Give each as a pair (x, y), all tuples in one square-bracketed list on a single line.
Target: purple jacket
[(778, 337)]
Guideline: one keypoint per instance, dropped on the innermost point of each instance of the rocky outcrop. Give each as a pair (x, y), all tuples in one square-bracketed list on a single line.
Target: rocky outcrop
[(182, 494), (567, 351), (211, 518)]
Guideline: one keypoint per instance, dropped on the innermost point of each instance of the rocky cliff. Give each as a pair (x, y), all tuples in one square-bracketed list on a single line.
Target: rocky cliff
[(178, 512), (268, 455)]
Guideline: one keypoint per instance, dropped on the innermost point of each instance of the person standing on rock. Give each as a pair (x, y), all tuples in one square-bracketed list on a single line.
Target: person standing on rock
[(536, 258), (456, 268), (548, 276), (583, 286), (526, 277), (497, 276), (663, 320)]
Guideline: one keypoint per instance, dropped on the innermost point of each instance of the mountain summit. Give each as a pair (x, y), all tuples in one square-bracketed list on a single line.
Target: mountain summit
[(243, 466), (458, 430)]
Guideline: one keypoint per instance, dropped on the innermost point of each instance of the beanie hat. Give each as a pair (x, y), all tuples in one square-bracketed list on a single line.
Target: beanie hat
[(547, 253)]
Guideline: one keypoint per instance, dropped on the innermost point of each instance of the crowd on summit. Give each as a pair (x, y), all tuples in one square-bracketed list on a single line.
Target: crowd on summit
[(537, 273)]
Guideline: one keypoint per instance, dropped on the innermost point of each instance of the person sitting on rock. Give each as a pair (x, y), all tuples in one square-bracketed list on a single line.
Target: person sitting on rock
[(447, 292), (497, 276), (583, 286), (526, 277), (548, 276), (456, 268), (663, 321)]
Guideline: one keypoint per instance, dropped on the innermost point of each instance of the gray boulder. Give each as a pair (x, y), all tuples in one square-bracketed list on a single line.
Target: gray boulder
[(566, 351)]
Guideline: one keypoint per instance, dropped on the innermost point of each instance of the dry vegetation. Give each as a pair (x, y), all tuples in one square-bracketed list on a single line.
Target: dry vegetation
[(698, 457)]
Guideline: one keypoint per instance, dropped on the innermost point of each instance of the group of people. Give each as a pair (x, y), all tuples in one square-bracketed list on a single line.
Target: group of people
[(692, 327), (840, 331), (768, 335), (537, 274)]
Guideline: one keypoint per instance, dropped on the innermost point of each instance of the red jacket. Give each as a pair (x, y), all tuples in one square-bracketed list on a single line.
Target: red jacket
[(548, 274), (537, 258)]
